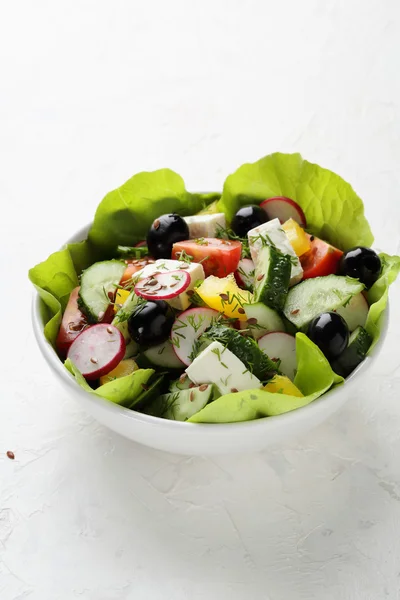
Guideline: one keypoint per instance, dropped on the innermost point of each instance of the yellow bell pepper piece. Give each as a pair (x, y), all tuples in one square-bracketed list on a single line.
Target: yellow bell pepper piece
[(297, 237), (120, 298), (280, 384), (223, 294), (124, 368)]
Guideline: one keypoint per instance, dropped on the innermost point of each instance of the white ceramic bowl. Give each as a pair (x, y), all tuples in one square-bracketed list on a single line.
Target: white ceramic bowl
[(192, 438)]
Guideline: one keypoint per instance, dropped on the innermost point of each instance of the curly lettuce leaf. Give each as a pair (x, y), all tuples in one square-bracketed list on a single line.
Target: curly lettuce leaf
[(332, 208), (314, 378), (123, 391), (54, 280), (124, 216), (378, 296)]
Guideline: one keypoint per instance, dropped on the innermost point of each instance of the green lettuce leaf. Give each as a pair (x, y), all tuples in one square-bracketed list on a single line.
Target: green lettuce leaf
[(378, 296), (124, 216), (332, 208), (54, 280), (314, 378), (122, 391)]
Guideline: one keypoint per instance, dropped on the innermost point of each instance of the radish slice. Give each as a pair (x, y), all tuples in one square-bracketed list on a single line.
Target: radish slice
[(97, 350), (244, 274), (163, 286), (283, 209), (187, 329), (355, 312), (282, 346)]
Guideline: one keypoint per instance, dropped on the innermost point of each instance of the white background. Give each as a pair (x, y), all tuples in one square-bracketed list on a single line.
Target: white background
[(90, 93)]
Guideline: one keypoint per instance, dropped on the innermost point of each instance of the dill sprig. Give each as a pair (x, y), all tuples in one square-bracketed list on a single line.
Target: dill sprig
[(225, 233)]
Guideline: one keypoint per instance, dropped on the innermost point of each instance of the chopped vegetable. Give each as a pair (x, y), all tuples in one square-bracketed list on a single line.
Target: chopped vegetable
[(298, 238), (124, 368), (218, 257), (224, 295)]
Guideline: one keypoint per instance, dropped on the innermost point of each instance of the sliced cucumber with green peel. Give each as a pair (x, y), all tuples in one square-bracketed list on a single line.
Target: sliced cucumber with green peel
[(151, 393), (358, 346), (261, 319), (183, 383), (181, 405), (245, 348), (272, 277), (163, 355), (314, 296), (131, 348), (355, 312), (97, 282)]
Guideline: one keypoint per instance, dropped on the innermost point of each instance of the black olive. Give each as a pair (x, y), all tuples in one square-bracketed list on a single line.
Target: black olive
[(164, 232), (247, 218), (151, 323), (330, 333), (361, 263)]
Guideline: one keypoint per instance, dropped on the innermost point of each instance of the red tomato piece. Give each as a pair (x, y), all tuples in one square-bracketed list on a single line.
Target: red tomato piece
[(322, 259), (218, 257), (73, 322), (133, 265)]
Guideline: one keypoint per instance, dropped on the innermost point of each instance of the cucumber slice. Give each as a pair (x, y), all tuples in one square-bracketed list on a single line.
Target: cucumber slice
[(272, 277), (96, 283), (355, 312), (358, 346), (261, 319), (163, 355), (183, 383), (131, 348), (180, 406), (245, 348), (151, 392), (314, 296)]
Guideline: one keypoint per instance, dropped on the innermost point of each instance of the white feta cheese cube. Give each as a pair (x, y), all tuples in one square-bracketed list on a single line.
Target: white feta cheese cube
[(218, 365), (271, 233), (205, 225)]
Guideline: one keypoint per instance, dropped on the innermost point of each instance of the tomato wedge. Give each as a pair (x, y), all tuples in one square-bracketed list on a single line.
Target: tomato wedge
[(73, 322), (133, 266), (322, 259), (218, 257)]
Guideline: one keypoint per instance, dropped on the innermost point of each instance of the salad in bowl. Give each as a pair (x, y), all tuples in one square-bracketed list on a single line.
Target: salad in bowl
[(219, 308)]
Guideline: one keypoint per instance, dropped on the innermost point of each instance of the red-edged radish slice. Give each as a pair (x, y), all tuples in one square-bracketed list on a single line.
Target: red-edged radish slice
[(244, 274), (282, 346), (163, 286), (140, 244), (283, 208), (355, 312), (97, 350), (187, 329)]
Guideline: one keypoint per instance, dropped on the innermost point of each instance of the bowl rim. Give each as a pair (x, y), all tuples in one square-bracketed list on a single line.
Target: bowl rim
[(298, 414)]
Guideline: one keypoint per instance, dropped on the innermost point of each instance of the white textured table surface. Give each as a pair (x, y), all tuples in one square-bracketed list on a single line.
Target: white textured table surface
[(90, 93)]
